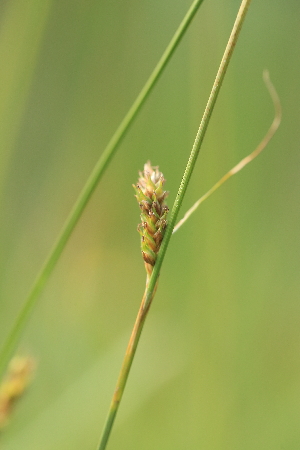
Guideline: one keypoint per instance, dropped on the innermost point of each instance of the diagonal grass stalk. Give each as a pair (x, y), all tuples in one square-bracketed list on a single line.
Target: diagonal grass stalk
[(238, 167), (89, 188), (152, 282)]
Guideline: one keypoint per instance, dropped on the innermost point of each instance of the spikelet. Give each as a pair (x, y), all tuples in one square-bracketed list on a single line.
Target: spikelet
[(13, 386), (151, 196)]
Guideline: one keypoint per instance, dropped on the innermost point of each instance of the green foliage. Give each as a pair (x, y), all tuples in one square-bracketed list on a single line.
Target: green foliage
[(218, 366)]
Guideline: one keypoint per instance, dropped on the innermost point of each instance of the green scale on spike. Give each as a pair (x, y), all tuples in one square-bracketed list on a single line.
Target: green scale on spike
[(151, 198)]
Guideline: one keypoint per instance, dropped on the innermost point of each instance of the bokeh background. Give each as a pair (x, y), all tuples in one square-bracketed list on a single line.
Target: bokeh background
[(218, 366)]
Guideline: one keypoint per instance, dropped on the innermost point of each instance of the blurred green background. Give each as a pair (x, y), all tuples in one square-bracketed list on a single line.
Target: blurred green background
[(218, 367)]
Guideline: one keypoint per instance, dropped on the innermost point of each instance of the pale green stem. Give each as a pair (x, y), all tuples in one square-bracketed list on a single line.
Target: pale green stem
[(88, 189), (127, 362), (151, 286)]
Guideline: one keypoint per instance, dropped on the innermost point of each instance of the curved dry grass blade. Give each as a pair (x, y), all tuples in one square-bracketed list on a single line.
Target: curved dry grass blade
[(270, 133)]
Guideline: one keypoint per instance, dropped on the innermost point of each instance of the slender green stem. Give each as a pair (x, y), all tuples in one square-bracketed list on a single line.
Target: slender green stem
[(89, 188), (152, 283), (197, 144)]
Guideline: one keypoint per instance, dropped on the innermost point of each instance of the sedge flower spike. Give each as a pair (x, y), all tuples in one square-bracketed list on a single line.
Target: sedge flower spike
[(151, 195)]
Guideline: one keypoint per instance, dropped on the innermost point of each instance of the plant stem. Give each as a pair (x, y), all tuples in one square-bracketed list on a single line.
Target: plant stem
[(124, 372), (152, 284), (198, 142), (88, 190)]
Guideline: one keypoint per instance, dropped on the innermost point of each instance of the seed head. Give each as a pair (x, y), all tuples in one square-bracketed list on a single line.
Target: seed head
[(13, 386), (151, 196)]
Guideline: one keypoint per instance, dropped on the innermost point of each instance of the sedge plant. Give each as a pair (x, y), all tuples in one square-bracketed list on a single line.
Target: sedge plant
[(154, 228), (155, 233)]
